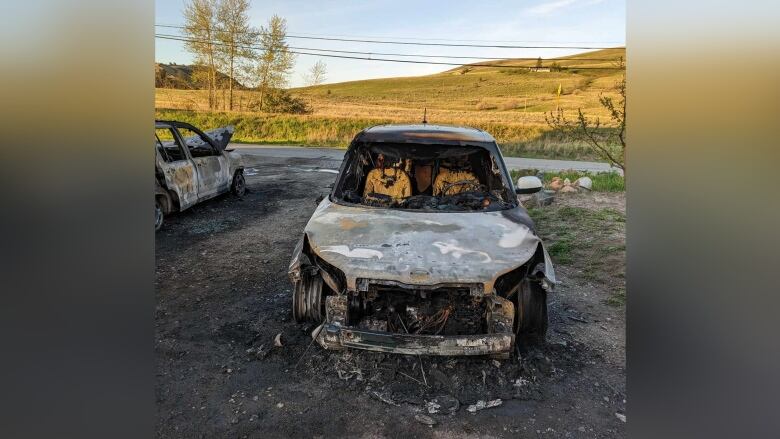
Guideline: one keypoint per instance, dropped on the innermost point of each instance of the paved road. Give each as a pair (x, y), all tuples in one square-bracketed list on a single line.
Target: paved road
[(338, 154)]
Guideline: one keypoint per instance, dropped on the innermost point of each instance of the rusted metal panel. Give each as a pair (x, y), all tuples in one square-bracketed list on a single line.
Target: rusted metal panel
[(337, 337), (421, 248), (195, 179)]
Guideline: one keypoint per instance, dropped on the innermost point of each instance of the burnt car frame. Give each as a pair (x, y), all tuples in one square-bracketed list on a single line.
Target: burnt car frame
[(461, 274), (193, 168)]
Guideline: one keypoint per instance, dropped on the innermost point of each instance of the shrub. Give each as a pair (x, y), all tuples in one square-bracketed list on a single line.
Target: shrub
[(485, 105), (281, 101), (509, 105)]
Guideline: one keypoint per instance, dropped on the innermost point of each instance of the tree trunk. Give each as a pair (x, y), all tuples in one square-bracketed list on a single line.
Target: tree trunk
[(262, 94), (230, 79), (263, 85)]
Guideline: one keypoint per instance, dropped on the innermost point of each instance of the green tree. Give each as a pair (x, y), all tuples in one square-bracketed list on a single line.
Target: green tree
[(236, 38), (275, 62), (200, 28)]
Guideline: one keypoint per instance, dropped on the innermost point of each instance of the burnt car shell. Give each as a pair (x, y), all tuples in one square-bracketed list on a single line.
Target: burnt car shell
[(475, 258)]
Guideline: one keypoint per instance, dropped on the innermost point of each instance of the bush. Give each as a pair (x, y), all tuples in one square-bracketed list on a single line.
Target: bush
[(509, 105), (485, 105), (281, 101)]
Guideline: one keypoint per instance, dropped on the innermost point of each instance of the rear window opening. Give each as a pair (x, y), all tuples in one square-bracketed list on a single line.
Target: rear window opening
[(424, 177)]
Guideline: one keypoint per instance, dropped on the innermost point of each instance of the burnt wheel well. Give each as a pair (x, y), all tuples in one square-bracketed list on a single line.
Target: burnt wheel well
[(507, 284), (334, 273)]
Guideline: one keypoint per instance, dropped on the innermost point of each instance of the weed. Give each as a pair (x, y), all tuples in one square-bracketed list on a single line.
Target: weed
[(588, 240), (617, 299)]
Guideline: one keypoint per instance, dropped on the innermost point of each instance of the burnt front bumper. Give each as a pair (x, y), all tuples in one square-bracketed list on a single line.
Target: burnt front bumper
[(335, 334), (332, 336)]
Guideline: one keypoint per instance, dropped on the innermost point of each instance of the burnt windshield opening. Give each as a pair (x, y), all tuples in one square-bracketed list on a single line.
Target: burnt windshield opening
[(424, 177)]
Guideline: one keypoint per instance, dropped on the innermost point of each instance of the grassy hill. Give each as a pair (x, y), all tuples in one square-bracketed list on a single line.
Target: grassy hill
[(507, 102), (179, 76)]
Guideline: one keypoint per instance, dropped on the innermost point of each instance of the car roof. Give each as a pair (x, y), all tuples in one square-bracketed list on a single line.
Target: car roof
[(424, 134)]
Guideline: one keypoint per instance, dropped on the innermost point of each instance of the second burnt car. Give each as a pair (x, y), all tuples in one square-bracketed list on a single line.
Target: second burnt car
[(192, 166), (423, 248)]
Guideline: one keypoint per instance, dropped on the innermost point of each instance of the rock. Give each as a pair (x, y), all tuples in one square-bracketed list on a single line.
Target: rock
[(425, 420), (568, 189), (481, 405), (621, 416), (556, 184), (278, 340), (584, 182), (279, 405)]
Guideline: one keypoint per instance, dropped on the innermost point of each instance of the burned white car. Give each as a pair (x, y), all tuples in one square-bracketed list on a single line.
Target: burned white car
[(423, 248), (192, 166)]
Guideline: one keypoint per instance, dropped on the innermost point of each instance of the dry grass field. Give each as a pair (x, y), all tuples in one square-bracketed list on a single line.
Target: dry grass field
[(509, 103)]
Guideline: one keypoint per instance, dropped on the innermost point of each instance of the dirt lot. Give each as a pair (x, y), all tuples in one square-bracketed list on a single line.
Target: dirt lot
[(223, 295)]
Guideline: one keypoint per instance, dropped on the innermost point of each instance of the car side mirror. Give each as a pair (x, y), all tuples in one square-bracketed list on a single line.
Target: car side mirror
[(528, 185)]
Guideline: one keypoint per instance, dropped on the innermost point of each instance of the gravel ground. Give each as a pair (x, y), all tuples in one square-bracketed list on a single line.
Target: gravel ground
[(223, 296)]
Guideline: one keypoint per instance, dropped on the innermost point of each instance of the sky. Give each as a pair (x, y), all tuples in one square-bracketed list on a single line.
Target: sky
[(597, 23)]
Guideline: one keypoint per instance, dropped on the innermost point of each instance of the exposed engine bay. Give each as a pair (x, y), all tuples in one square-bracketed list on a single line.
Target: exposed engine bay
[(449, 311), (429, 177)]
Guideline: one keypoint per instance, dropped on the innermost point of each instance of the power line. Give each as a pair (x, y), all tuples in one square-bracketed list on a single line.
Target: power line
[(619, 43), (176, 38), (412, 43), (572, 58), (459, 40)]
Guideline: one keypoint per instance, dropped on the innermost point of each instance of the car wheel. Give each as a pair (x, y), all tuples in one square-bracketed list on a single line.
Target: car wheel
[(239, 184), (531, 312), (158, 215), (308, 304)]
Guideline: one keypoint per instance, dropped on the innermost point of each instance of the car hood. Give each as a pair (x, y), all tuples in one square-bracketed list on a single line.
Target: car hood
[(423, 248), (221, 136)]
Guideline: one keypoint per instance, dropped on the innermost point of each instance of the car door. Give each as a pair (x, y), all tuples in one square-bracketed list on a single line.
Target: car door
[(210, 164), (176, 166)]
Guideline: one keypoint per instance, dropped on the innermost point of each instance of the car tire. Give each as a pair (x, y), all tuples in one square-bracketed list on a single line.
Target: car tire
[(531, 312), (308, 301), (238, 187), (159, 215)]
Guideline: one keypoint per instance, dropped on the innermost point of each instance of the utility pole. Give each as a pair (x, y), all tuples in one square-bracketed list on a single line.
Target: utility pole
[(525, 107)]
